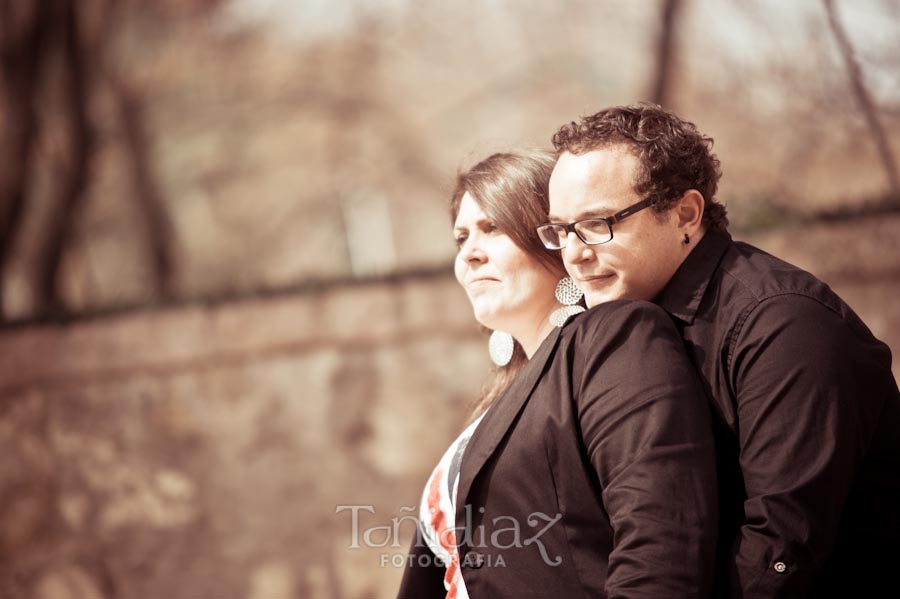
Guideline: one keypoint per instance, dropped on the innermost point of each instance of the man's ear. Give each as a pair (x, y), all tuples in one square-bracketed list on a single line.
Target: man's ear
[(689, 212)]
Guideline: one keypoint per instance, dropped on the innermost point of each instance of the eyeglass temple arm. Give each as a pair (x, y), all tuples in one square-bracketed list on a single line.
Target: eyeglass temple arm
[(629, 211)]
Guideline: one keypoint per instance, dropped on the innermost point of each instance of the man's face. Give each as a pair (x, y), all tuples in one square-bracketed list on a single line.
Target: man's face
[(646, 248)]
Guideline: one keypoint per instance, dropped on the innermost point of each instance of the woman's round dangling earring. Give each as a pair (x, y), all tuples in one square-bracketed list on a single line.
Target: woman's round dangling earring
[(568, 294), (500, 346)]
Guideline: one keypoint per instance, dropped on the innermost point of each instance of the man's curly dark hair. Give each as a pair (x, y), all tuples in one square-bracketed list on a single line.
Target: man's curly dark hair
[(673, 155)]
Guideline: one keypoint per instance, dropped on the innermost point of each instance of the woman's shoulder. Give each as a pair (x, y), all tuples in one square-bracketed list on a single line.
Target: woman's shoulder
[(622, 309), (610, 318)]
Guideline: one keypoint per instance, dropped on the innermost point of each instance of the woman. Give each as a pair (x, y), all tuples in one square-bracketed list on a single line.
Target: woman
[(587, 469)]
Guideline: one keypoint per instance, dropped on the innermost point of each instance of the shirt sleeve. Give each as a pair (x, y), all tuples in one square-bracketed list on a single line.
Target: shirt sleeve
[(647, 428), (802, 379)]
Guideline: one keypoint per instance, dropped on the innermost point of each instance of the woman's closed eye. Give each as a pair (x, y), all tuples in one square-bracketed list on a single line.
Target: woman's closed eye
[(485, 226)]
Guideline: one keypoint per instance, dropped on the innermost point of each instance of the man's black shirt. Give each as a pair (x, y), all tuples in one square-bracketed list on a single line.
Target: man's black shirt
[(808, 426)]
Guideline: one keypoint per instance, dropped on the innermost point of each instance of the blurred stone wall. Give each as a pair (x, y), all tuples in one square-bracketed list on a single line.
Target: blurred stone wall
[(203, 452), (200, 452)]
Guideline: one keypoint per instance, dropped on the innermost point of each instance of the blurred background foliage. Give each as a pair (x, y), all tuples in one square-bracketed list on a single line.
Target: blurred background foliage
[(156, 151)]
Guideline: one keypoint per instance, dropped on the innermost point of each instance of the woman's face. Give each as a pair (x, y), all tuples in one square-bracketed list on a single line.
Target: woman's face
[(509, 289)]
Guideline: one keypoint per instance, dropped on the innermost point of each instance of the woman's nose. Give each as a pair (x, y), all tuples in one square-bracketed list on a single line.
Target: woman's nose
[(471, 250)]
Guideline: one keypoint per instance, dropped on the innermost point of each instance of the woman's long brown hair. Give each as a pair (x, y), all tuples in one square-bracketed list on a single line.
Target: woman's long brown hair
[(512, 190)]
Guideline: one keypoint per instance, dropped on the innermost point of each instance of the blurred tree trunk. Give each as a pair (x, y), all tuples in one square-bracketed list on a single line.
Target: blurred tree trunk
[(864, 98), (74, 164), (158, 228), (32, 33), (666, 51), (158, 232), (23, 26)]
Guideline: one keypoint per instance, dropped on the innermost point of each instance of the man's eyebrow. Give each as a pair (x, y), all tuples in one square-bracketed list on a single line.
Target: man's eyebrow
[(598, 212)]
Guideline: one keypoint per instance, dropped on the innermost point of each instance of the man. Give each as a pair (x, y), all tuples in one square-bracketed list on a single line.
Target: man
[(807, 409)]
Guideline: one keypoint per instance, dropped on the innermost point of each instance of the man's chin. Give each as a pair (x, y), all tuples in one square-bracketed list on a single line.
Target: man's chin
[(597, 297)]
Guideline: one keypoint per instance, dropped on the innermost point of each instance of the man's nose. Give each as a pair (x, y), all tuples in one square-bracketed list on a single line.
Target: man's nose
[(576, 250)]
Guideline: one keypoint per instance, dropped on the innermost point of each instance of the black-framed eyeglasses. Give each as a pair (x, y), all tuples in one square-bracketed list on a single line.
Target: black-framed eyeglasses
[(592, 231)]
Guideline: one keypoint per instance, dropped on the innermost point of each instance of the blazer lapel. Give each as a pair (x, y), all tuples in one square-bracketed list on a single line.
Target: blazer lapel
[(498, 419)]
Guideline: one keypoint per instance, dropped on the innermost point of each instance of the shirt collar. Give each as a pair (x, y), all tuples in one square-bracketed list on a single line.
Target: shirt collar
[(682, 294)]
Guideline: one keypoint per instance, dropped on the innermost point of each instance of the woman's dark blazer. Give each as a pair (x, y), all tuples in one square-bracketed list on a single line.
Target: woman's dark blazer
[(592, 475)]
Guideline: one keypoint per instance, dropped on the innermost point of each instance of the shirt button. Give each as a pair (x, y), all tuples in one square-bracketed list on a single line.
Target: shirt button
[(780, 567), (473, 560)]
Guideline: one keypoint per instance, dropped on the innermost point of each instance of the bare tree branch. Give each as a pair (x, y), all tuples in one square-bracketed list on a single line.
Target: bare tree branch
[(666, 52), (159, 234), (75, 170), (864, 98), (22, 39), (158, 228)]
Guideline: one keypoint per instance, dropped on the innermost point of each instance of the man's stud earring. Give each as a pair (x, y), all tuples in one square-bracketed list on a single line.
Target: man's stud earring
[(687, 239)]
